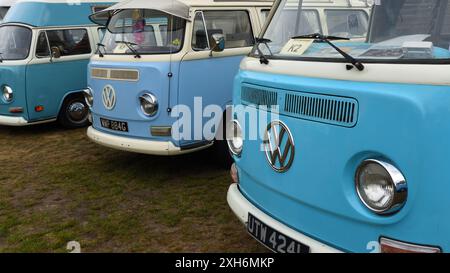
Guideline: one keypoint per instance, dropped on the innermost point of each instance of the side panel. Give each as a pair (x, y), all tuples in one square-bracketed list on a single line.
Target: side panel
[(48, 83), (209, 79)]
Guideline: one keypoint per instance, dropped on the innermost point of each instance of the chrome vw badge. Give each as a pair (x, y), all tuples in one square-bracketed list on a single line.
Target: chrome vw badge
[(109, 97), (279, 146)]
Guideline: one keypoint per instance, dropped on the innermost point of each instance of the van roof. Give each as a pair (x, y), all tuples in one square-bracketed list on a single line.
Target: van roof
[(7, 3), (178, 8), (54, 13)]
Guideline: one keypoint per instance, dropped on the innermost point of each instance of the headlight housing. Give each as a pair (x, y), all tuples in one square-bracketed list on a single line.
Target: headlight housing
[(89, 97), (381, 187), (149, 104), (234, 137), (7, 93)]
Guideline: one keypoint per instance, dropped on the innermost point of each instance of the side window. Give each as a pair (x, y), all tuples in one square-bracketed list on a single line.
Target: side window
[(101, 33), (70, 41), (264, 15), (235, 25), (42, 49), (199, 39)]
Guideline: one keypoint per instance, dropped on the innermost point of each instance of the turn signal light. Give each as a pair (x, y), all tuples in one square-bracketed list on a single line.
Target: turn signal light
[(39, 108), (392, 246), (16, 110), (234, 173)]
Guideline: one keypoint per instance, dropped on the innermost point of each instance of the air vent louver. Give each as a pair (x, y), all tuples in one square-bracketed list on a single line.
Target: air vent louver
[(322, 108)]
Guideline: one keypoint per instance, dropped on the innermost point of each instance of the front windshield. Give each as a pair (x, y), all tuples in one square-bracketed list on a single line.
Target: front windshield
[(143, 31), (15, 42), (375, 30)]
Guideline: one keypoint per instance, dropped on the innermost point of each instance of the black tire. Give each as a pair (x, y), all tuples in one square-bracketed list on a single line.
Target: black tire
[(74, 112)]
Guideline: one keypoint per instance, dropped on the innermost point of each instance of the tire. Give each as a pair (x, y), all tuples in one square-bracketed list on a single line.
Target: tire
[(74, 112)]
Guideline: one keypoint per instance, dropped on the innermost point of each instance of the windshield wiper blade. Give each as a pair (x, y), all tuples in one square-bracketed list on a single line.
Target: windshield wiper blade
[(262, 57), (327, 39), (100, 54), (130, 46)]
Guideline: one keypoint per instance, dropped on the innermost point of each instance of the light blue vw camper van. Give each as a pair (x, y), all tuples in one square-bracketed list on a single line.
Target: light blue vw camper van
[(160, 58), (5, 5), (45, 46), (353, 155)]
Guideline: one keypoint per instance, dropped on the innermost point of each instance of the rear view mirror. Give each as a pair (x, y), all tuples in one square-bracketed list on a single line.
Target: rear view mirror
[(353, 23), (217, 42)]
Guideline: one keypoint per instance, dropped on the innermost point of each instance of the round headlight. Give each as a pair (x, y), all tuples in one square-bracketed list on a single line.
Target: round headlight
[(7, 93), (89, 97), (381, 187), (149, 104), (234, 137)]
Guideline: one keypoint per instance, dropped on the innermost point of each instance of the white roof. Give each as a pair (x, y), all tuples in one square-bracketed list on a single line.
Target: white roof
[(178, 8), (172, 7), (7, 3)]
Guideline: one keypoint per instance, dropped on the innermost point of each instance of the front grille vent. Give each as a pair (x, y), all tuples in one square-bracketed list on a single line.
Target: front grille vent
[(115, 74), (322, 108), (259, 97)]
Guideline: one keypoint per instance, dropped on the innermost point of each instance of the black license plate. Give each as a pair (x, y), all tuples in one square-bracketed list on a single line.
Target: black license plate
[(114, 125), (274, 240)]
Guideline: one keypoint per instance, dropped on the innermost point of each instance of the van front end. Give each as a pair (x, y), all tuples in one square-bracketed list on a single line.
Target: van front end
[(352, 156), (13, 107), (130, 105), (13, 62), (333, 129)]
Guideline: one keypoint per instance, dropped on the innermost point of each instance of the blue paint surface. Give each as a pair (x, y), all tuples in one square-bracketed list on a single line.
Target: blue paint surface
[(403, 123), (41, 14), (211, 79), (13, 76)]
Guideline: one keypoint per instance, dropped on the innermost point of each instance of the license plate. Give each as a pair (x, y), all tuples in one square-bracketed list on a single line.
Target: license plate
[(114, 125), (274, 240)]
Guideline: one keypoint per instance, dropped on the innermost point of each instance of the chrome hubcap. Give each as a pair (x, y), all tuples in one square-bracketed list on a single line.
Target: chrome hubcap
[(77, 112)]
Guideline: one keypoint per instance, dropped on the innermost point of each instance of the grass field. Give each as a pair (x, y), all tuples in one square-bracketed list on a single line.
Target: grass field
[(56, 186)]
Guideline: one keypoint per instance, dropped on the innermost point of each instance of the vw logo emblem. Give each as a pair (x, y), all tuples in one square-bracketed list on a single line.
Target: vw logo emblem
[(279, 146), (109, 97)]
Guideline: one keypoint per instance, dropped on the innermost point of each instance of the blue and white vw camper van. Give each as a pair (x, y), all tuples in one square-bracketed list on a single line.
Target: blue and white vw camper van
[(45, 46), (5, 5), (157, 60), (353, 155)]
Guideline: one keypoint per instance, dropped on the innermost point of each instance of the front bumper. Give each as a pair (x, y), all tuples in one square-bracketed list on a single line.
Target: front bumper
[(19, 121), (142, 146), (242, 207)]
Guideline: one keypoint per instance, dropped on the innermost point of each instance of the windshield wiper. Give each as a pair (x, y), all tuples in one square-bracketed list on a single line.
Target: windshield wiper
[(130, 46), (100, 54), (327, 39), (262, 58)]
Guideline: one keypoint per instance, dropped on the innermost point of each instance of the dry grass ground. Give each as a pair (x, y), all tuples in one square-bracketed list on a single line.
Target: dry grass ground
[(56, 186)]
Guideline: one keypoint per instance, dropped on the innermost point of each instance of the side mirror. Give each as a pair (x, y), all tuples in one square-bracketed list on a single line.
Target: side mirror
[(217, 43), (56, 53)]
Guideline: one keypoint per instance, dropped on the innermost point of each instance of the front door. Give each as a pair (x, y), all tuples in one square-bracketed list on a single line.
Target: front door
[(49, 78), (209, 78)]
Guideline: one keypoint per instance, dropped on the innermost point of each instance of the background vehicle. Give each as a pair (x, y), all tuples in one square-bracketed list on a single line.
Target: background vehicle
[(45, 47), (354, 160), (156, 56), (5, 5)]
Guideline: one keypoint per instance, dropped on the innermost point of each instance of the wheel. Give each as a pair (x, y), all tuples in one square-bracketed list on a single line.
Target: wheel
[(74, 112)]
